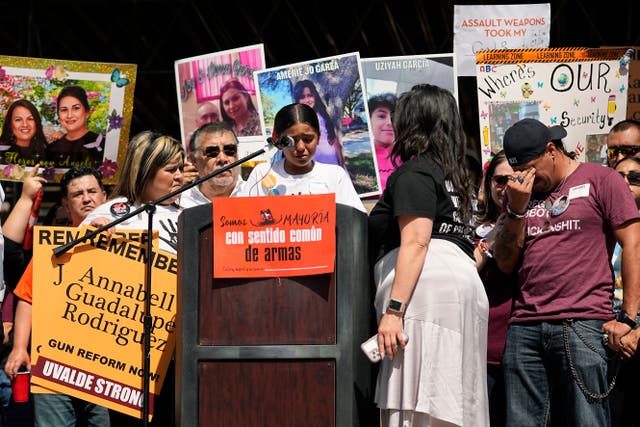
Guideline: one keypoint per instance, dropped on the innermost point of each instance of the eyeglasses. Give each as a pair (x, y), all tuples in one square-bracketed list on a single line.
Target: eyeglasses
[(213, 151), (501, 179), (626, 150), (633, 177)]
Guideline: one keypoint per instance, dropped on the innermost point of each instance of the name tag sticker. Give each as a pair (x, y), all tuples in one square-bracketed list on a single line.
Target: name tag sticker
[(579, 191)]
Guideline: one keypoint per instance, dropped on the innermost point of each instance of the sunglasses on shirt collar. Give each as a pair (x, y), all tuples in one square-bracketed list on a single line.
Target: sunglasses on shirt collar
[(633, 177), (626, 150), (213, 151)]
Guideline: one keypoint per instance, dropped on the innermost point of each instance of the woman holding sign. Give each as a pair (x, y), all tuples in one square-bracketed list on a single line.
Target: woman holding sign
[(152, 169), (427, 283)]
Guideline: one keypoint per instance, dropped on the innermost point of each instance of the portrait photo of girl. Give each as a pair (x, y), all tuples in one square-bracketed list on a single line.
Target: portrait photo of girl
[(332, 88)]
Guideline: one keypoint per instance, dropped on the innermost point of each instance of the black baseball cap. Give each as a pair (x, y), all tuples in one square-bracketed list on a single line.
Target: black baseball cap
[(527, 139)]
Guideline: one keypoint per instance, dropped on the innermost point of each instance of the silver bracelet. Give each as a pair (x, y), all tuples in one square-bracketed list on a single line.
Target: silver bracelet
[(513, 215)]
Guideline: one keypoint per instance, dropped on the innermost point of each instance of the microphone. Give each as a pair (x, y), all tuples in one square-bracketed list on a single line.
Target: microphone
[(285, 142)]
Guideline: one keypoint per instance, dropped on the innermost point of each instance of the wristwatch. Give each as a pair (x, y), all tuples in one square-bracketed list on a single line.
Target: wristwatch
[(395, 307), (623, 317)]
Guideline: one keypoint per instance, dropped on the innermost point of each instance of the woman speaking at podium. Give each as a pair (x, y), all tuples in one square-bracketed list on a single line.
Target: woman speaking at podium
[(297, 172)]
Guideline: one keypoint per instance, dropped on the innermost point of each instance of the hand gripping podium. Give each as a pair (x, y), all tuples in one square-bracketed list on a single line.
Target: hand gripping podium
[(274, 351)]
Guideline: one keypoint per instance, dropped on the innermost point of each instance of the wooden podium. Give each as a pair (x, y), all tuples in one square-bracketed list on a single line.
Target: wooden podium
[(274, 351)]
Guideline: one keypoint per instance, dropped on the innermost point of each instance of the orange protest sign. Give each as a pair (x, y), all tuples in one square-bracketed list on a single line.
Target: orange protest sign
[(274, 236), (88, 314)]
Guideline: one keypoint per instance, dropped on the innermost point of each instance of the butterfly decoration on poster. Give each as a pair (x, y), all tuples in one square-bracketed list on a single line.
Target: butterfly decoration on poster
[(119, 78)]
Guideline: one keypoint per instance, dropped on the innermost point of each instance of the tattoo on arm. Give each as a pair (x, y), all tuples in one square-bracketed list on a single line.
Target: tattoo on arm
[(508, 245)]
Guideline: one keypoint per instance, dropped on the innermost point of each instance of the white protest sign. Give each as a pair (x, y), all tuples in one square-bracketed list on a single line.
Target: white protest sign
[(486, 27)]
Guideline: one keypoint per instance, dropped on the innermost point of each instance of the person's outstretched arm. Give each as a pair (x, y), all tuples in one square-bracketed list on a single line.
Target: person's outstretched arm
[(15, 225), (21, 333)]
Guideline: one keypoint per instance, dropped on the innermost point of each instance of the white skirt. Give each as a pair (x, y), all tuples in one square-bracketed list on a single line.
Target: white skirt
[(443, 370)]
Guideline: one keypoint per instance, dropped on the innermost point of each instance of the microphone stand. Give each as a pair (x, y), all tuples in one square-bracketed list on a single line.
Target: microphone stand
[(150, 209)]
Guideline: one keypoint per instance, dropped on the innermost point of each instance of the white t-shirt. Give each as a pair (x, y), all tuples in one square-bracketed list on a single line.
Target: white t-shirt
[(194, 197), (266, 180), (165, 220)]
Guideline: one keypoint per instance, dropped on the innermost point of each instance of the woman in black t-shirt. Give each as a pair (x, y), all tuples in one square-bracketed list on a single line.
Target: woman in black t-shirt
[(427, 283)]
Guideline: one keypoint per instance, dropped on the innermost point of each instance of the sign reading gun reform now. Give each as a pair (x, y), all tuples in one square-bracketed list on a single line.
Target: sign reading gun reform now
[(88, 312)]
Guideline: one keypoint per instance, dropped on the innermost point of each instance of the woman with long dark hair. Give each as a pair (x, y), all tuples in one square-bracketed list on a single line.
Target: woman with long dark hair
[(329, 147), (297, 172), (427, 283), (238, 110), (79, 146), (22, 134), (500, 287)]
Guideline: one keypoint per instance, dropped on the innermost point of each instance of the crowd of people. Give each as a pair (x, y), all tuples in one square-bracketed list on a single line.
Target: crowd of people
[(521, 310)]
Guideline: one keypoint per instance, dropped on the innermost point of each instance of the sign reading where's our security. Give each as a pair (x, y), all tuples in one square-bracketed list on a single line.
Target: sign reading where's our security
[(274, 236), (583, 90), (88, 316)]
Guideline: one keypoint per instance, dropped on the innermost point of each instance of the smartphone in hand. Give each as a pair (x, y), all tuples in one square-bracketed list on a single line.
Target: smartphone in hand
[(370, 347)]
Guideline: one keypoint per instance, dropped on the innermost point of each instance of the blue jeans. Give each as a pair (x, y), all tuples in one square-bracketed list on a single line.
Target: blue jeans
[(61, 410), (5, 389), (542, 381)]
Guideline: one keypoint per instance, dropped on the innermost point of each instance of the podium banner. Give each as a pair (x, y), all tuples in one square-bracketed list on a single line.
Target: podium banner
[(274, 236), (88, 316)]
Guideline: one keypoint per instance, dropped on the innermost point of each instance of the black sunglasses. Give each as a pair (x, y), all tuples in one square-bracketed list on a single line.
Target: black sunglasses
[(626, 150), (213, 151), (501, 179), (633, 177)]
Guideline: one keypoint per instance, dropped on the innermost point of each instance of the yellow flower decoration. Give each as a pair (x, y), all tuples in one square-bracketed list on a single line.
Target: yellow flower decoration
[(59, 73)]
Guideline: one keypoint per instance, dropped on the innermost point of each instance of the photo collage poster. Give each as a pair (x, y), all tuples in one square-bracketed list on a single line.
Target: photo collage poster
[(583, 90), (219, 87), (36, 130), (385, 80), (332, 86)]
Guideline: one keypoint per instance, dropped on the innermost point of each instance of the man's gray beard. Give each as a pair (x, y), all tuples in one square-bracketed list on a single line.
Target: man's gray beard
[(221, 181)]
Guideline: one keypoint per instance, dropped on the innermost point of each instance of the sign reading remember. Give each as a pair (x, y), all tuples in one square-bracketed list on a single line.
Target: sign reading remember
[(88, 312), (274, 236)]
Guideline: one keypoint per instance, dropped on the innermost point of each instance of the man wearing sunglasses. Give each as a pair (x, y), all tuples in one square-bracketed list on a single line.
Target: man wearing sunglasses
[(212, 147), (561, 222), (623, 141)]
